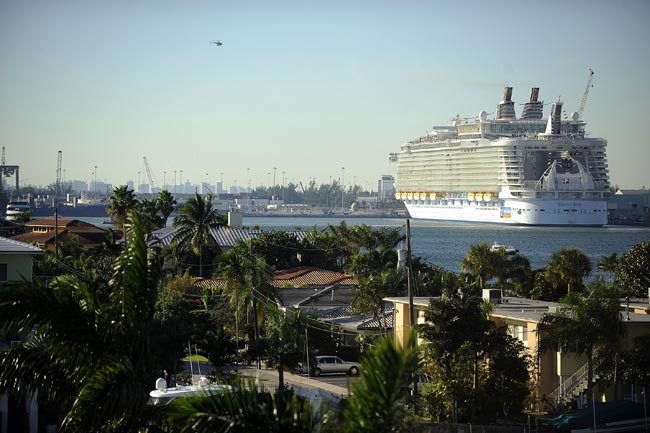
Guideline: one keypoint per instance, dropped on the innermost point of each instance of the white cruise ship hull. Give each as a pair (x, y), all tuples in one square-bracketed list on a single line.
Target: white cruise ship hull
[(533, 212)]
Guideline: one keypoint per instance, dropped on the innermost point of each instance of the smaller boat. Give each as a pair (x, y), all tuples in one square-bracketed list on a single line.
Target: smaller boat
[(162, 395), (18, 210), (509, 250)]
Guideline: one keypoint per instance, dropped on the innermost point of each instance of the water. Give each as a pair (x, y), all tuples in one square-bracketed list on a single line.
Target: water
[(446, 244)]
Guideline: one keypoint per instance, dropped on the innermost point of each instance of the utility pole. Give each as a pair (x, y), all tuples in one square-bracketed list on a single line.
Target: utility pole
[(254, 301), (410, 283)]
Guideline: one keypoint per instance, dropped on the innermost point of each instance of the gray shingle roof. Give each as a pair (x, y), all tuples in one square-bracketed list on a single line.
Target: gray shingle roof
[(11, 246), (224, 236)]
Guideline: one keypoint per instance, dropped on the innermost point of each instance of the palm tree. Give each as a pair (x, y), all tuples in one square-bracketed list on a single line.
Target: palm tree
[(517, 273), (148, 210), (372, 291), (483, 263), (194, 223), (166, 203), (608, 264), (586, 325), (379, 403), (244, 411), (88, 356), (245, 275), (568, 266), (122, 201)]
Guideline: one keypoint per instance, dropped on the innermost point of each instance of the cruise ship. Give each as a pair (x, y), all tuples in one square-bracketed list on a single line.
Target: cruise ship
[(526, 171)]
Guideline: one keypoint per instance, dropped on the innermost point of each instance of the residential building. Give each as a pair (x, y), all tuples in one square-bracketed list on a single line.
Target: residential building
[(560, 374), (16, 263), (47, 231)]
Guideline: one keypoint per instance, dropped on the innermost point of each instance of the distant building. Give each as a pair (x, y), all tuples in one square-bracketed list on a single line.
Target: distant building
[(386, 188), (629, 205), (79, 185)]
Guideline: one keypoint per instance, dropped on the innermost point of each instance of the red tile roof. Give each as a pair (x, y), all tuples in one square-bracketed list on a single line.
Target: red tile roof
[(46, 239), (311, 277), (73, 225)]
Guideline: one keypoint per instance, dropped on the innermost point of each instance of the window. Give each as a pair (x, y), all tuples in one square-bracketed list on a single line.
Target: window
[(3, 272)]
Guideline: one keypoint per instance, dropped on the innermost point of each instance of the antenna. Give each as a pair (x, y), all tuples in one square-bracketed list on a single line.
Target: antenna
[(585, 95)]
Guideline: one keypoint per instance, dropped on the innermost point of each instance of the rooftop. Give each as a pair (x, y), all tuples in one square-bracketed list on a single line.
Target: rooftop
[(12, 246)]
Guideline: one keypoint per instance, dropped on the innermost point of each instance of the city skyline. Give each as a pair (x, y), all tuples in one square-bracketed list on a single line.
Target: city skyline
[(304, 88)]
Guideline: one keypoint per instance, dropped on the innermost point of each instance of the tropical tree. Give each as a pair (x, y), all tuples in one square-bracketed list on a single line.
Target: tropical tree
[(244, 411), (121, 203), (279, 249), (194, 223), (245, 276), (380, 396), (483, 263), (516, 275), (453, 331), (369, 299), (585, 325), (165, 203), (283, 338), (568, 266), (148, 210), (608, 264), (87, 356), (633, 269)]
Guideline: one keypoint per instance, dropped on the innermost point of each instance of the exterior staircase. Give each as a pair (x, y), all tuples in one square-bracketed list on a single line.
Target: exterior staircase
[(571, 386)]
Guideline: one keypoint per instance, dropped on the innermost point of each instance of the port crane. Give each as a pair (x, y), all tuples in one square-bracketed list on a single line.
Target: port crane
[(585, 95), (152, 179), (8, 171)]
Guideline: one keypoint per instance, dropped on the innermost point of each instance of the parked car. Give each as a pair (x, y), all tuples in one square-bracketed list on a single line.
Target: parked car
[(334, 364)]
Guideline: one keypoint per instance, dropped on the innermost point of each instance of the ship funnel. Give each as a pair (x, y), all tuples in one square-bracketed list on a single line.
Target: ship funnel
[(555, 119), (533, 109), (506, 108)]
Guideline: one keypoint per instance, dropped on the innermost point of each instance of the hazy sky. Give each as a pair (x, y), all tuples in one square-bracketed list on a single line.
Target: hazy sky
[(307, 87)]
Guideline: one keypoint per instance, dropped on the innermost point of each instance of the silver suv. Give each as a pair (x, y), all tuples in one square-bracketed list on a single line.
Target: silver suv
[(334, 364)]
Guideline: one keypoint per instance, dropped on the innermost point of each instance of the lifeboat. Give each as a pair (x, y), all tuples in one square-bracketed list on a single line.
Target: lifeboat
[(433, 195), (397, 196), (478, 196), (416, 196), (409, 195), (487, 197), (402, 195), (470, 196)]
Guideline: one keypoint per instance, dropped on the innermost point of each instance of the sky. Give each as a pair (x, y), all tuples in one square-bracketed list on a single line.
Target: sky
[(303, 89)]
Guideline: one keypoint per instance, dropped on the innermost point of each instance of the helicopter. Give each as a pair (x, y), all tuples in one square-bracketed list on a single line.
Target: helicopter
[(217, 43)]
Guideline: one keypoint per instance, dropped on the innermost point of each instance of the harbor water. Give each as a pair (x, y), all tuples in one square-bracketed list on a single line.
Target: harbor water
[(447, 243)]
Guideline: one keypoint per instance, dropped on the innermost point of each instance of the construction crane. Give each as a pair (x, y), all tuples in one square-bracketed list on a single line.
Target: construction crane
[(152, 179), (58, 173), (585, 95)]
